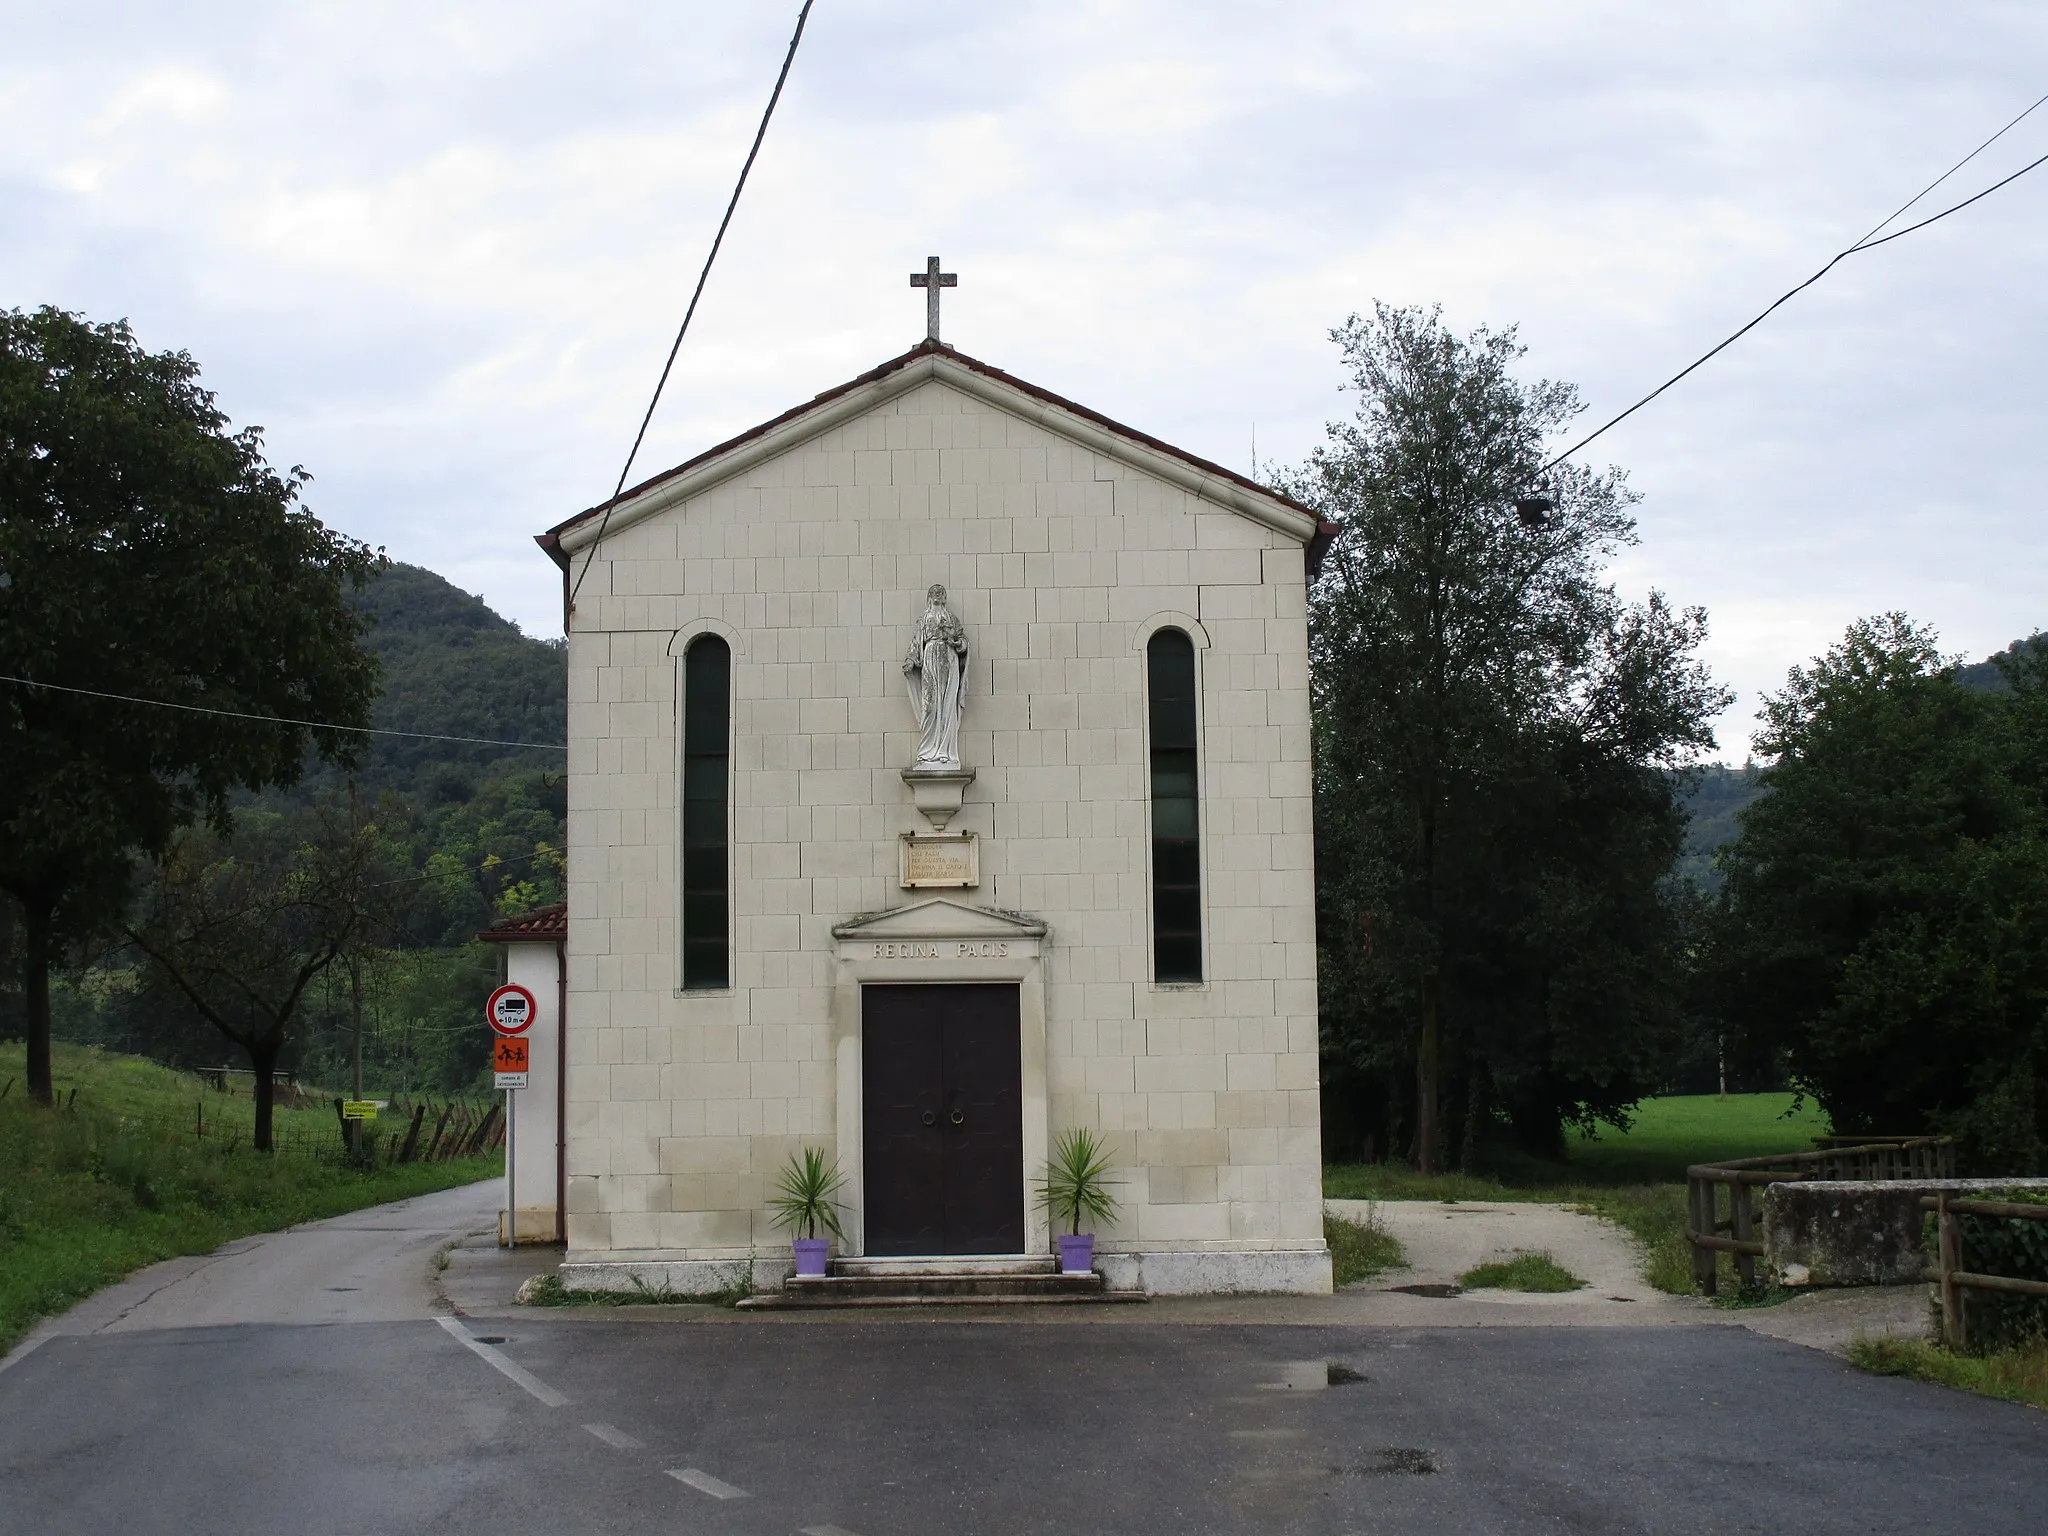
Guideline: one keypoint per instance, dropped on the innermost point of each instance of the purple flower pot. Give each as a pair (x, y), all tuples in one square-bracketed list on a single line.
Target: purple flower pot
[(1077, 1254), (810, 1254)]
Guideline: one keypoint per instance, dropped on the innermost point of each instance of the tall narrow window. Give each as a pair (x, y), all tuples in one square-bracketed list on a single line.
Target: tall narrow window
[(707, 904), (1176, 849)]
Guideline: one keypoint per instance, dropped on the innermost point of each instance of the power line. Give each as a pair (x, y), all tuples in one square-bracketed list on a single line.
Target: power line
[(702, 277), (1944, 176), (1864, 244), (1900, 234), (317, 725)]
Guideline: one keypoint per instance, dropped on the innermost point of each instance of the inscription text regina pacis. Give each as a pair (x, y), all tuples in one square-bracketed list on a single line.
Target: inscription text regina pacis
[(966, 949)]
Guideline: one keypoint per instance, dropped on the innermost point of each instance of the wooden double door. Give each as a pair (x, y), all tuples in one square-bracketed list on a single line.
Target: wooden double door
[(943, 1120)]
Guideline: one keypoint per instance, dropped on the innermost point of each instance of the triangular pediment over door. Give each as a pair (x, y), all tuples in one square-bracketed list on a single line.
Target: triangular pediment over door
[(939, 919)]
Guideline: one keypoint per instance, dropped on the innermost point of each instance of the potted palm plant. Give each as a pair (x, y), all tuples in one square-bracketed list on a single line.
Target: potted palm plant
[(1077, 1186), (804, 1202)]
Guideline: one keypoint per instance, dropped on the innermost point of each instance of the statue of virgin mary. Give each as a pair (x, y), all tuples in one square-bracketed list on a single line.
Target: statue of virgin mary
[(935, 668)]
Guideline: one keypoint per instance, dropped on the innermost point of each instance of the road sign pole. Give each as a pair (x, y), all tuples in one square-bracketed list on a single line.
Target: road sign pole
[(510, 1012), (511, 1179)]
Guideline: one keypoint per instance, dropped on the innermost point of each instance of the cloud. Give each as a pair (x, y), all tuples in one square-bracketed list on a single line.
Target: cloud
[(440, 252)]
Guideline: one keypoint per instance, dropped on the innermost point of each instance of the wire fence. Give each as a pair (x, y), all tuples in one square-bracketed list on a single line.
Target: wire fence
[(423, 1130)]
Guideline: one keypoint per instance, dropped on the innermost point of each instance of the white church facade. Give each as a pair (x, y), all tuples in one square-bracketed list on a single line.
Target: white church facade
[(925, 877)]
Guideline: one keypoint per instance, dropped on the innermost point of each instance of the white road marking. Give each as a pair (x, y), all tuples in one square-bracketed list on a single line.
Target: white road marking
[(618, 1439), (824, 1530), (704, 1482), (497, 1362)]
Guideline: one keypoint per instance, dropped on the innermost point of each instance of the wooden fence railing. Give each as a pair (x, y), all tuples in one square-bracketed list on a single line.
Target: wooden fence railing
[(436, 1132), (1948, 1272), (1876, 1157)]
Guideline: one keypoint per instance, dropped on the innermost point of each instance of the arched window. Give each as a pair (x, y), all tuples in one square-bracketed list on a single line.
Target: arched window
[(1176, 821), (707, 897)]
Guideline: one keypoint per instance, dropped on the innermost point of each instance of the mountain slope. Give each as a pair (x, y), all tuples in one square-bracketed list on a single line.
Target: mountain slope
[(452, 667)]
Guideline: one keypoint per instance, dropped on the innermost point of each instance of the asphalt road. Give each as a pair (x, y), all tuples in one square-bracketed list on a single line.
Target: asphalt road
[(586, 1424)]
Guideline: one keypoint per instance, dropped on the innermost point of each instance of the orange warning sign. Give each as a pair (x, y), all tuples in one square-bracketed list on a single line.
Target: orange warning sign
[(509, 1054)]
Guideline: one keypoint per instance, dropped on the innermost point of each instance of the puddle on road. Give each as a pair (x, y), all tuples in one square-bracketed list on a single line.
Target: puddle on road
[(1394, 1461), (1438, 1291), (1312, 1376)]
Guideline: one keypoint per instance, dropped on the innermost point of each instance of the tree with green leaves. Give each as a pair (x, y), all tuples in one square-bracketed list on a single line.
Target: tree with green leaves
[(240, 926), (146, 550), (1882, 924), (1494, 730)]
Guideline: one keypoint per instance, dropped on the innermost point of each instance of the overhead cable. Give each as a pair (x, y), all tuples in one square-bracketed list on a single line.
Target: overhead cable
[(1944, 176), (702, 277), (317, 725), (1866, 243)]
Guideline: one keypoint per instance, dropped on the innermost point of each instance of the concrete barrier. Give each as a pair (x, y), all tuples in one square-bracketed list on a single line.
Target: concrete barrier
[(1828, 1232)]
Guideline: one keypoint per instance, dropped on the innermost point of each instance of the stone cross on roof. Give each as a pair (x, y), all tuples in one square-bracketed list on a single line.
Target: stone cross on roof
[(931, 280)]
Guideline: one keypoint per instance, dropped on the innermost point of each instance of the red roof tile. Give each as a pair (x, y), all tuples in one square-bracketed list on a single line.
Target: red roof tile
[(542, 924)]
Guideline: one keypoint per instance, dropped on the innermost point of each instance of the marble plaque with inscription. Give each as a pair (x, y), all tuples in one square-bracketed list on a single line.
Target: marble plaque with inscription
[(941, 862)]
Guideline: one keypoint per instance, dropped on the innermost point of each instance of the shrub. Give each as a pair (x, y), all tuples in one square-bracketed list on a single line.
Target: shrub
[(1361, 1249), (1523, 1272)]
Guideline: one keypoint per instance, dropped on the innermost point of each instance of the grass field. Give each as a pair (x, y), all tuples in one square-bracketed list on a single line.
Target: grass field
[(1669, 1134), (118, 1177), (1635, 1180)]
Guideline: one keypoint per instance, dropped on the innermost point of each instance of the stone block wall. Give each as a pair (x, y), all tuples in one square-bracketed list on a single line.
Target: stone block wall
[(1061, 561)]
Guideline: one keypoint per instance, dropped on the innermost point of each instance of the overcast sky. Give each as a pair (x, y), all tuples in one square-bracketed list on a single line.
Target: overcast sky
[(438, 252)]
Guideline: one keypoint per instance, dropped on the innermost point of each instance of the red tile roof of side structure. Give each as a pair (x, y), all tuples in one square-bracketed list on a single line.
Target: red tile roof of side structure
[(544, 923), (551, 540)]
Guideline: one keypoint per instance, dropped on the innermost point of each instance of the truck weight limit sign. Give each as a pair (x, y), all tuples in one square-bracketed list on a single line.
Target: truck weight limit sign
[(510, 1009)]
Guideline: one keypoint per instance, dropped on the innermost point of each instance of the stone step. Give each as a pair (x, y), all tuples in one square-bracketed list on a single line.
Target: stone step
[(1046, 1284), (784, 1302), (946, 1266), (950, 1281)]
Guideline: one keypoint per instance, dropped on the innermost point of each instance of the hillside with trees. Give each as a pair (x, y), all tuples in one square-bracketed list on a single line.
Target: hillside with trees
[(452, 667), (480, 826), (456, 833), (460, 833), (1713, 796)]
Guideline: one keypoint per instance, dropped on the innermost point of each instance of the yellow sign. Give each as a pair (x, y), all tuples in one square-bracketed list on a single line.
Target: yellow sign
[(358, 1109)]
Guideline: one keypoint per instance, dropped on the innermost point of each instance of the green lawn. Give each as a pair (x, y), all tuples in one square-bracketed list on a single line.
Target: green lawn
[(118, 1177), (1634, 1180), (1670, 1134)]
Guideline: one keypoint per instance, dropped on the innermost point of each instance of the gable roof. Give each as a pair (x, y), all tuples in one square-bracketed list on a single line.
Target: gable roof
[(927, 360)]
